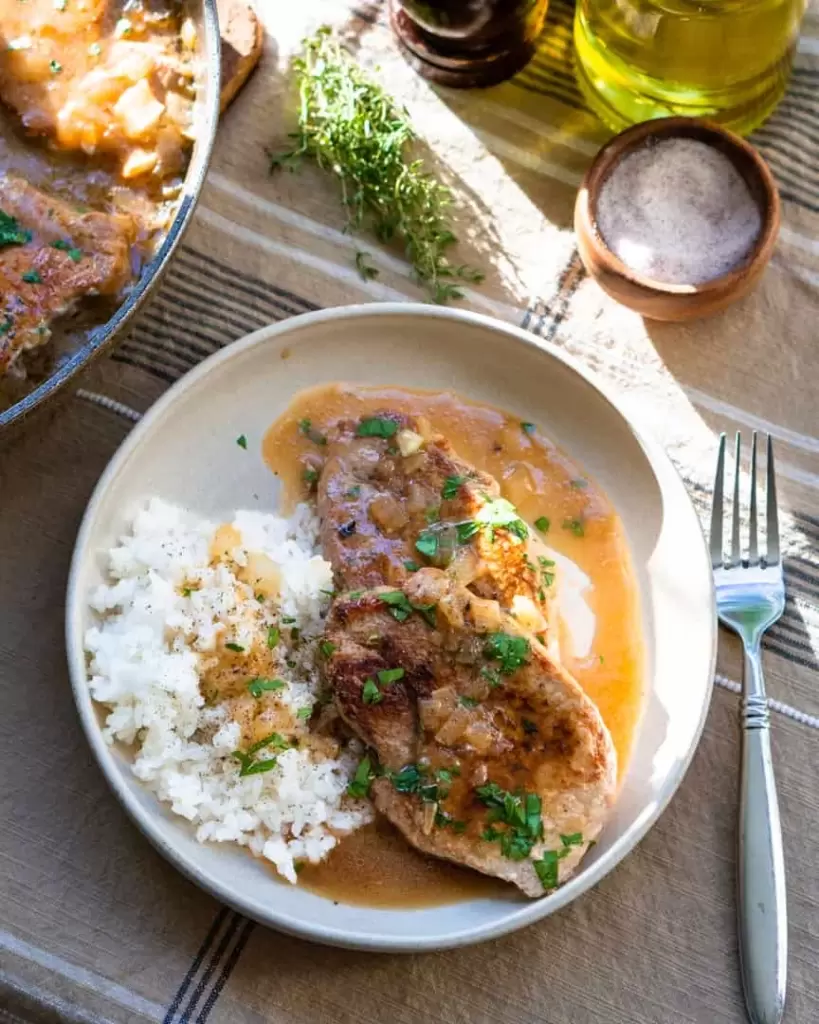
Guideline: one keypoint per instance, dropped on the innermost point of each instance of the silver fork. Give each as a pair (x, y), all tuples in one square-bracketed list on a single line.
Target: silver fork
[(750, 599)]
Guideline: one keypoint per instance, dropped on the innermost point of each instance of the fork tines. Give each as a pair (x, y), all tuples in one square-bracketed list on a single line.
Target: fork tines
[(772, 521)]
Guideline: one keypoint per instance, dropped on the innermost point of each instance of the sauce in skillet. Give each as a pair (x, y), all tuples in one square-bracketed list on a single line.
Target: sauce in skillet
[(374, 867)]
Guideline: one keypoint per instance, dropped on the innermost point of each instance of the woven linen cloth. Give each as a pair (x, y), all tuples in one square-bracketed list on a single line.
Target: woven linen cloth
[(94, 924)]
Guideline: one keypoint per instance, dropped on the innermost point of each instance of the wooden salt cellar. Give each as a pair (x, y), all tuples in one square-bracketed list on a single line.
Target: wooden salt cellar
[(659, 300)]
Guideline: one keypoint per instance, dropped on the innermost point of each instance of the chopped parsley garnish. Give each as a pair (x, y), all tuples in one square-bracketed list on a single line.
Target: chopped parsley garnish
[(468, 702), (75, 255), (241, 440), (501, 513), (11, 232), (495, 514), (304, 713), (428, 612), (275, 739), (427, 543), (547, 866), (306, 428), (376, 426), (273, 636), (310, 476), (511, 651), (55, 66), (466, 531), (411, 779), (390, 675), (327, 648), (367, 271), (452, 485), (32, 277), (529, 726), (359, 786), (6, 326), (288, 620), (353, 492), (528, 428), (408, 780), (411, 566), (433, 514), (579, 484), (61, 244), (401, 608), (546, 573), (546, 869), (370, 693), (187, 591), (235, 647), (256, 687), (519, 812), (574, 526), (543, 523), (249, 766)]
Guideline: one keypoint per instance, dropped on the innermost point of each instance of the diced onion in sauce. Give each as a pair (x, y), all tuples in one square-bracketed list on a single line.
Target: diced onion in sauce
[(188, 34), (139, 162), (486, 614), (409, 442), (388, 513), (138, 110), (528, 614)]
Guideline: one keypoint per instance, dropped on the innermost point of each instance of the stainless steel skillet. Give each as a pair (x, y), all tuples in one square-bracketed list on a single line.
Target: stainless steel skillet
[(93, 342)]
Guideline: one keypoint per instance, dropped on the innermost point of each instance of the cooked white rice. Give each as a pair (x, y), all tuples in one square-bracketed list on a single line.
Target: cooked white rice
[(168, 609)]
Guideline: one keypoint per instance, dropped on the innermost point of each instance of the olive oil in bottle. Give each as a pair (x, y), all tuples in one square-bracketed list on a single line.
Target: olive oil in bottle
[(728, 60)]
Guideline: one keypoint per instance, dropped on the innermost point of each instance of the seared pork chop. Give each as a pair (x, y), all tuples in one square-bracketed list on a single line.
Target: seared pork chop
[(51, 256), (393, 496), (492, 755)]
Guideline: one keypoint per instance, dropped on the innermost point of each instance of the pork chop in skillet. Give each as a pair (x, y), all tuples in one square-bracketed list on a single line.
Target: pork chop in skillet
[(51, 256)]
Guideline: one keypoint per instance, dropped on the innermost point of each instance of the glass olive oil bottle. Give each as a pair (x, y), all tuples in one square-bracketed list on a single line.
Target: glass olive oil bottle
[(728, 60)]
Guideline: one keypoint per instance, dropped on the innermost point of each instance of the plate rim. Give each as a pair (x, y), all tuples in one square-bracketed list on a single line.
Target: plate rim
[(267, 914)]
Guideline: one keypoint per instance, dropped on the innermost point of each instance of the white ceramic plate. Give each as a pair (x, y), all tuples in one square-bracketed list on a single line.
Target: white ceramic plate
[(184, 450)]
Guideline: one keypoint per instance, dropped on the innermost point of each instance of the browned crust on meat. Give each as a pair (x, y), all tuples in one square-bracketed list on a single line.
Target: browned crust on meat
[(569, 760)]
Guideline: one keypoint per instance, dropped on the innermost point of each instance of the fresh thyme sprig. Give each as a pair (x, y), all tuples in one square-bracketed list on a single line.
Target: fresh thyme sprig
[(349, 126)]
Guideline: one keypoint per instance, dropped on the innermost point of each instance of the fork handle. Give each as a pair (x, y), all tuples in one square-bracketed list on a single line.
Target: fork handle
[(763, 925)]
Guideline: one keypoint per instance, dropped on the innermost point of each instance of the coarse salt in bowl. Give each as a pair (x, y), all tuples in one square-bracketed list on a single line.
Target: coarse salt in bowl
[(677, 218)]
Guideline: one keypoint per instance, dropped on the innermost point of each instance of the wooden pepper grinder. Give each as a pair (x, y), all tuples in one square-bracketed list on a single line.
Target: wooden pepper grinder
[(468, 43)]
